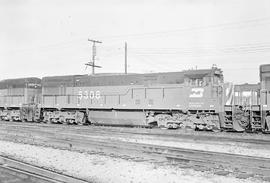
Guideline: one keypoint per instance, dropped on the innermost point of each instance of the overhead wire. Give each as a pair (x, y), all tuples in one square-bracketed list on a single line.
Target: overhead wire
[(190, 52), (188, 30), (204, 49), (258, 21)]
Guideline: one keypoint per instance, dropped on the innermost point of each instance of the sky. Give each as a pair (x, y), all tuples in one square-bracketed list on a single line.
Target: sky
[(50, 37)]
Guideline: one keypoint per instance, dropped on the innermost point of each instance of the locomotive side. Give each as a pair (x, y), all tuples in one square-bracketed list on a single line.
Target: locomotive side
[(19, 99), (197, 99), (163, 99), (59, 100)]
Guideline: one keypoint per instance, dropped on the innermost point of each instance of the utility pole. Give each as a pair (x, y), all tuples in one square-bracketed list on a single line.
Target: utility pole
[(125, 57), (94, 52)]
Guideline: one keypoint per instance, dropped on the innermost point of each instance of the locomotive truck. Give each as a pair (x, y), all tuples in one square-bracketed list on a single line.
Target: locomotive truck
[(197, 99)]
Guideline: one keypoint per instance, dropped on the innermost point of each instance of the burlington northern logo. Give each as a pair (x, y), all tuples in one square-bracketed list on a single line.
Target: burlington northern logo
[(196, 92)]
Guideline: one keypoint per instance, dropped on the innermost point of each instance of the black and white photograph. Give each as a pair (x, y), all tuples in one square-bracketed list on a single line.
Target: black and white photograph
[(134, 91)]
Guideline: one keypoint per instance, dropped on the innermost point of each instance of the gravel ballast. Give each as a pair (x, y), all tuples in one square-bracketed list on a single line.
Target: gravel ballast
[(101, 168)]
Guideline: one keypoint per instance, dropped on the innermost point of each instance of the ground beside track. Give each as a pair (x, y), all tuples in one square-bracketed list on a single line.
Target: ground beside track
[(103, 168), (136, 165), (192, 140)]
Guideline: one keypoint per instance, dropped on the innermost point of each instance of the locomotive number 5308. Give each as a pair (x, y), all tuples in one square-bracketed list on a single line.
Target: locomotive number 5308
[(89, 94)]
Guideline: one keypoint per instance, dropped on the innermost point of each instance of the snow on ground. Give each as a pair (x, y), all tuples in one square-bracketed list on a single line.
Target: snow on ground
[(99, 168)]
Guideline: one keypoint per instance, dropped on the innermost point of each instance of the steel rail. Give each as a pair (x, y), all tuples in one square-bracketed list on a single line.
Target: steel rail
[(36, 172), (130, 131), (207, 159)]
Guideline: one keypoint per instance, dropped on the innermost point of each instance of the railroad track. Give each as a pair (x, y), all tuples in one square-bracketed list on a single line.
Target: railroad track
[(30, 173), (155, 133), (207, 160), (80, 140), (86, 134), (238, 165)]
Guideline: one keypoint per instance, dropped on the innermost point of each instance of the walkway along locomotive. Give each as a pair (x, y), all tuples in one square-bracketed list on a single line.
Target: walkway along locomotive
[(197, 99)]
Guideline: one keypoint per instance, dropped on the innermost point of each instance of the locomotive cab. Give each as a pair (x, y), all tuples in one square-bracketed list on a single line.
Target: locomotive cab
[(201, 78), (204, 99)]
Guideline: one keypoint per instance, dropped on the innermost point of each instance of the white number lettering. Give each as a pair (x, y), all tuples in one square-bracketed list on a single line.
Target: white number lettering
[(92, 94), (85, 94), (80, 95), (97, 94)]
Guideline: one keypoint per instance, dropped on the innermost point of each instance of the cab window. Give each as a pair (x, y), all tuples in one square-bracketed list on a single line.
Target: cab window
[(196, 82)]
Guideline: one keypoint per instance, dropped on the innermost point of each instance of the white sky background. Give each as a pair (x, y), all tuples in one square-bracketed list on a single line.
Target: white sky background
[(49, 37)]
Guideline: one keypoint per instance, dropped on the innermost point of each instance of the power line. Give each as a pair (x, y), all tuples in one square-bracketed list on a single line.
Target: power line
[(244, 48), (94, 52), (189, 29)]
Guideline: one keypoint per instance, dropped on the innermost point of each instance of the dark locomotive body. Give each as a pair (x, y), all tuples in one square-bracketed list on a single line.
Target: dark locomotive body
[(131, 99), (20, 98), (197, 99)]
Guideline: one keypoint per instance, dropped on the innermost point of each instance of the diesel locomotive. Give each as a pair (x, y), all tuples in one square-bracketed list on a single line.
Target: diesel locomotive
[(197, 99)]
